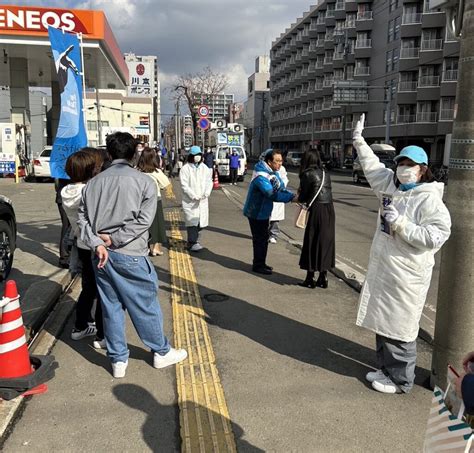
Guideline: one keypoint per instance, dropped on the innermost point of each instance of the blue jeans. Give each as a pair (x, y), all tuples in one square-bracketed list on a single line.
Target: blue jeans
[(130, 283)]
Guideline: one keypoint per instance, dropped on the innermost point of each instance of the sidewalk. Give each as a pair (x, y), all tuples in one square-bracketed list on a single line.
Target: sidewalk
[(291, 362)]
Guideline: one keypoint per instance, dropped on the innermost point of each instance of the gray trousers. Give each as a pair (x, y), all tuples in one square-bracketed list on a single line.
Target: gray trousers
[(397, 359), (274, 229), (194, 234)]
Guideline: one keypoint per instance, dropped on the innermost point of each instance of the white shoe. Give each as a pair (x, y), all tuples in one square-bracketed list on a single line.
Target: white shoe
[(386, 385), (170, 358), (197, 247), (119, 368), (272, 241), (375, 376), (99, 344), (80, 334)]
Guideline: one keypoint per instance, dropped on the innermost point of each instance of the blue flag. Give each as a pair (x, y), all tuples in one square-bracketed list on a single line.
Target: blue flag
[(71, 134)]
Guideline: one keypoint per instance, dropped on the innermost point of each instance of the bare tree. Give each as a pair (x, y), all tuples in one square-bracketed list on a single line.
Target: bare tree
[(198, 88)]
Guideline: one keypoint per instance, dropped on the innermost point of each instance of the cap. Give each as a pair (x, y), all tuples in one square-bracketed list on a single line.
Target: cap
[(415, 153), (195, 150)]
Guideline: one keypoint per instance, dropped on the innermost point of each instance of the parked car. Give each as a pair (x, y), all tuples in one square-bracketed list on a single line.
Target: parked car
[(293, 158), (41, 164), (7, 236), (384, 152), (348, 162)]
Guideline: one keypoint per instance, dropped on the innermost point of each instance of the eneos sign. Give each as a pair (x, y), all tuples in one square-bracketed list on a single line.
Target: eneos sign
[(33, 20)]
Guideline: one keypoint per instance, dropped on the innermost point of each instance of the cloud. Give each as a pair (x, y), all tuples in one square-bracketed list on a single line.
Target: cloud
[(188, 35)]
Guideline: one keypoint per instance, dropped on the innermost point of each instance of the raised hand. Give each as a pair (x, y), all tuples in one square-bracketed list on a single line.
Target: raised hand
[(359, 127)]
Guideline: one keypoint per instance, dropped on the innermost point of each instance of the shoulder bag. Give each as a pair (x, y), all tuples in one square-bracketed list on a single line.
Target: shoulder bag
[(302, 213)]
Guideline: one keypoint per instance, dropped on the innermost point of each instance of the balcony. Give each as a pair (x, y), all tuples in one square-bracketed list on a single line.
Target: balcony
[(362, 71), (432, 44), (411, 18), (407, 86), (318, 107), (318, 86), (406, 119), (409, 52), (330, 13), (338, 56), (320, 43), (446, 115), (313, 46), (340, 5), (328, 83), (339, 32), (426, 117), (313, 26), (450, 75), (305, 52), (363, 44), (350, 24), (319, 64), (329, 37), (366, 15), (312, 68), (327, 105), (335, 126), (428, 81), (328, 60)]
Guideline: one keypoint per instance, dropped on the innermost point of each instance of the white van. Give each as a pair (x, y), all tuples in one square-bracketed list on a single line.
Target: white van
[(222, 153)]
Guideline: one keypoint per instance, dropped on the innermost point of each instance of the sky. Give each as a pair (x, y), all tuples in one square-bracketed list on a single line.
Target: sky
[(187, 35)]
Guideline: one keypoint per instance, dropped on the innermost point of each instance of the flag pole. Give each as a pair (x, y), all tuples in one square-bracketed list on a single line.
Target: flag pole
[(83, 84)]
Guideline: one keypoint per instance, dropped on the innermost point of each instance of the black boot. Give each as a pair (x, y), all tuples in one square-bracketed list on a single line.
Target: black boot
[(309, 281), (322, 281)]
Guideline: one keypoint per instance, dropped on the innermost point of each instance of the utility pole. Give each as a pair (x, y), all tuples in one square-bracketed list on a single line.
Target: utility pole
[(343, 107), (262, 122), (388, 117), (454, 331), (99, 122)]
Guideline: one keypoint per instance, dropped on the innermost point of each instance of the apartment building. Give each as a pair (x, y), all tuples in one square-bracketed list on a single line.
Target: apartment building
[(399, 49)]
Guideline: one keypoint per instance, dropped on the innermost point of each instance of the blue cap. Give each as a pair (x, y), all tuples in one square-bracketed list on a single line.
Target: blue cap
[(415, 153), (195, 150)]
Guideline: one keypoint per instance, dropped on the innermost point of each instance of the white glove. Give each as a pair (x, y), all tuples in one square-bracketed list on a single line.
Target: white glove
[(359, 128), (391, 214)]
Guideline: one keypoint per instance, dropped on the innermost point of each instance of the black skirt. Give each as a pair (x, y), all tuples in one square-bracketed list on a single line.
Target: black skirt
[(319, 244), (157, 229)]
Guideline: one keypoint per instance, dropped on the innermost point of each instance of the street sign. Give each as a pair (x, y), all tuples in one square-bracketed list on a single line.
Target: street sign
[(350, 92), (204, 123), (203, 111)]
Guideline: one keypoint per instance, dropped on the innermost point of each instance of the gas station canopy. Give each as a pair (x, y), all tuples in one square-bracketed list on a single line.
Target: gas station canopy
[(24, 34)]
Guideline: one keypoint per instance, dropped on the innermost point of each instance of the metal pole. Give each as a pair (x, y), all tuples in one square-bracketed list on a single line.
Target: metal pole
[(99, 122), (79, 35), (388, 117), (312, 126), (454, 328), (343, 108)]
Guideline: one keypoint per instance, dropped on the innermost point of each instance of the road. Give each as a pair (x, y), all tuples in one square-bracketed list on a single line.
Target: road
[(356, 217)]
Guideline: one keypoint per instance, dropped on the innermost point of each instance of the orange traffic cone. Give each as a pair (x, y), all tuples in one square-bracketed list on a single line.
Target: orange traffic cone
[(216, 185), (20, 374), (14, 356)]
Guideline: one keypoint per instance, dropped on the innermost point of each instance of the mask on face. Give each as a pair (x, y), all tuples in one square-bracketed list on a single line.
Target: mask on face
[(197, 159), (408, 175)]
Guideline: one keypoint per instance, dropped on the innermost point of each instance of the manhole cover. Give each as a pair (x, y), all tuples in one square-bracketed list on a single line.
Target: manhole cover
[(215, 297)]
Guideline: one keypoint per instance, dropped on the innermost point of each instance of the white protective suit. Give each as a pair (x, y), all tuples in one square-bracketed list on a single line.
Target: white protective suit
[(196, 184), (278, 211), (400, 265)]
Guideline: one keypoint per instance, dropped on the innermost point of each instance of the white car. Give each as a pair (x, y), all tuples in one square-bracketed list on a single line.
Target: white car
[(293, 158), (41, 164)]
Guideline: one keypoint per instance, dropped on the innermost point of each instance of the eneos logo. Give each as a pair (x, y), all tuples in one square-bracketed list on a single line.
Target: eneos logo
[(140, 69), (17, 18)]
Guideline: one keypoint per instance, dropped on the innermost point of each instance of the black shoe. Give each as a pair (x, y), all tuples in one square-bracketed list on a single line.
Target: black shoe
[(266, 266), (63, 265), (308, 284), (322, 281), (262, 270)]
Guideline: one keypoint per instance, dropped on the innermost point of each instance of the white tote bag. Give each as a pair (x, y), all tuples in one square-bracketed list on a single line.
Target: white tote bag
[(302, 213)]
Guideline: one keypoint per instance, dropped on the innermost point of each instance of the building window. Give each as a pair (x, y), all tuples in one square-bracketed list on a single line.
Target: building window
[(91, 125), (250, 86), (393, 84), (393, 5), (447, 109), (397, 22), (392, 58), (450, 73)]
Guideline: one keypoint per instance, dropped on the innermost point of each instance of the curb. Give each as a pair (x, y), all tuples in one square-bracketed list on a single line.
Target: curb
[(60, 306)]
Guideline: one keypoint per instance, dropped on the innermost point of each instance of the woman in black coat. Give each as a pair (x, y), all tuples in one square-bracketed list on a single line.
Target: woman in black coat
[(319, 245)]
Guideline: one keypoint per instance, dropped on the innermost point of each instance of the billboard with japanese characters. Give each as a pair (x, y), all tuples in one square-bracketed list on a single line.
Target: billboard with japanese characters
[(141, 82)]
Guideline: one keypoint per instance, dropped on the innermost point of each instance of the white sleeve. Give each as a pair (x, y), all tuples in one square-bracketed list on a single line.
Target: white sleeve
[(184, 177), (378, 176)]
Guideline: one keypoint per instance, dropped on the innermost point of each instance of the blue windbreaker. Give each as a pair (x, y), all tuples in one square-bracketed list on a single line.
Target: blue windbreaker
[(263, 191)]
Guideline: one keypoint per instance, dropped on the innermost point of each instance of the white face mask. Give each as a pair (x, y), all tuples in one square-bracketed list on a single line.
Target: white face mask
[(407, 175), (197, 159)]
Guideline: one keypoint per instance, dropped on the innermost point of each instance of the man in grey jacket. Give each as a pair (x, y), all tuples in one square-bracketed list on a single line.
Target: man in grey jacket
[(117, 209)]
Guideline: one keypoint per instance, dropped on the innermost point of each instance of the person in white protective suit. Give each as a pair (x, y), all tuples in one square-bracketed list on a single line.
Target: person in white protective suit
[(413, 225), (196, 185)]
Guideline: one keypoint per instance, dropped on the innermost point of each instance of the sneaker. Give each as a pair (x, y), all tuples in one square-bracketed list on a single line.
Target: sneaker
[(99, 344), (386, 385), (119, 369), (272, 241), (197, 247), (80, 334), (170, 358), (375, 376)]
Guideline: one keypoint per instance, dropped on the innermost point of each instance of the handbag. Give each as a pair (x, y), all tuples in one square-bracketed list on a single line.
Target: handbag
[(302, 213), (162, 180)]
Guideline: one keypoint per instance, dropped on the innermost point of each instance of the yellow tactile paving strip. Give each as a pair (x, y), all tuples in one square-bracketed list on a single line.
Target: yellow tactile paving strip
[(204, 417)]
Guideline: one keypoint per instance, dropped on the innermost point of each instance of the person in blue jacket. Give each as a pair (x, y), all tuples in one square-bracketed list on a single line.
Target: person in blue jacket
[(265, 188)]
